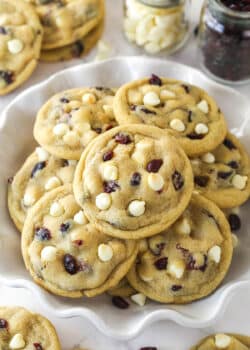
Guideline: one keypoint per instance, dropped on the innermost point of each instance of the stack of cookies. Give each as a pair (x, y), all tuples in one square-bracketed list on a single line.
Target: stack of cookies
[(130, 192), (47, 30)]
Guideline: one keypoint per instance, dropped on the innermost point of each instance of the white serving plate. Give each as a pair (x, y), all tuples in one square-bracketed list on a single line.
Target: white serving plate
[(16, 142)]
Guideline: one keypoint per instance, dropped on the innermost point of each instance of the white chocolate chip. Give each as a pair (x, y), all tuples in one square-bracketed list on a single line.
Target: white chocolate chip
[(239, 181), (155, 181), (214, 254), (151, 99), (56, 209), (15, 46), (17, 342), (103, 201), (177, 124), (139, 299), (166, 94), (48, 253), (52, 182), (235, 210), (89, 98), (222, 341), (105, 252), (137, 208), (203, 106), (183, 227), (42, 154), (72, 162), (29, 199), (177, 268), (235, 240), (110, 172), (208, 158), (60, 129), (80, 218), (201, 129)]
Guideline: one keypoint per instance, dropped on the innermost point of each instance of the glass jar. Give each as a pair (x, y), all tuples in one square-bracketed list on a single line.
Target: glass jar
[(157, 25), (224, 42)]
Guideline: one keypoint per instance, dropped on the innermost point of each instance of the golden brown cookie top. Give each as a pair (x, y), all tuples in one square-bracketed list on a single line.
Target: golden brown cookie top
[(224, 341)]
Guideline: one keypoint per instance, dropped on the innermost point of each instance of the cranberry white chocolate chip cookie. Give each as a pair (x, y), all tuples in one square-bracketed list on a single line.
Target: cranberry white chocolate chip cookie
[(40, 173), (21, 329), (67, 123), (68, 256), (189, 260), (223, 174), (224, 341), (20, 43), (133, 181), (66, 21), (188, 111)]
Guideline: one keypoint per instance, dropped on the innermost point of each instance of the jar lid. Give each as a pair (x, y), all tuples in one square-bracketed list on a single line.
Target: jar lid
[(162, 3)]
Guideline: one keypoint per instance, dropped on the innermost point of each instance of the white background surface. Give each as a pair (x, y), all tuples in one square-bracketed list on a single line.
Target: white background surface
[(164, 335)]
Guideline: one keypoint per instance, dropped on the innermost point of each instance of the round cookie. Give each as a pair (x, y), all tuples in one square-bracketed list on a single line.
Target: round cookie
[(68, 256), (133, 181), (122, 289), (188, 111), (222, 175), (20, 43), (40, 173), (223, 341), (68, 121), (189, 260), (78, 49), (21, 329), (66, 21)]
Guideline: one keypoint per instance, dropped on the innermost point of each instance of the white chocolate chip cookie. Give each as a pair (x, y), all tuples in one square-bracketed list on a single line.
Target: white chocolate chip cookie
[(223, 341)]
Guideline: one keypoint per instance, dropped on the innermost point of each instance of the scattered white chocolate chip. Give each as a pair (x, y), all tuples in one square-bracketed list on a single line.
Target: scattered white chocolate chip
[(235, 210), (42, 154), (214, 254), (235, 240), (155, 181), (104, 51), (105, 252), (166, 94), (137, 208), (72, 162), (103, 201), (15, 46), (239, 181), (139, 299), (222, 341), (48, 253), (151, 99), (203, 106), (177, 124), (183, 227), (56, 209), (52, 182), (29, 199), (80, 218), (60, 129), (88, 98), (201, 129), (208, 158), (176, 268), (17, 342), (110, 172)]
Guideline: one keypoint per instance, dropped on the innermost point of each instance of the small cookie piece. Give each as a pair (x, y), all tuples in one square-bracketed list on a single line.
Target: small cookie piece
[(133, 181), (188, 111), (180, 265), (224, 341), (21, 329), (20, 43), (122, 289), (65, 21), (70, 120), (40, 173), (68, 256), (223, 175)]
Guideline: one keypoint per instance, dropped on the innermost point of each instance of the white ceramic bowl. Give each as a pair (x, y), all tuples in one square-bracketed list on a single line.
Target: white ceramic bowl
[(16, 142)]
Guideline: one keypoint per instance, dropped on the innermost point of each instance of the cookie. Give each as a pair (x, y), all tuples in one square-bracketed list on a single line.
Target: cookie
[(224, 341), (67, 123), (67, 255), (40, 173), (78, 49), (188, 111), (222, 175), (189, 260), (133, 181), (122, 289), (66, 21), (21, 329), (20, 43)]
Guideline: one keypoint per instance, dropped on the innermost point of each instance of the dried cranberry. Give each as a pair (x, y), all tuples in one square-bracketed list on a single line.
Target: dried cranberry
[(3, 323), (77, 49), (38, 167), (120, 302), (135, 179), (98, 130), (229, 144), (186, 88), (70, 264), (233, 164), (38, 346), (148, 348), (224, 174), (7, 76), (64, 100), (161, 264), (194, 136), (201, 181), (64, 227), (155, 80), (65, 163), (177, 180), (107, 156), (110, 186), (132, 107), (154, 165), (3, 30), (78, 242), (42, 234), (234, 222), (122, 138), (176, 288), (147, 111)]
